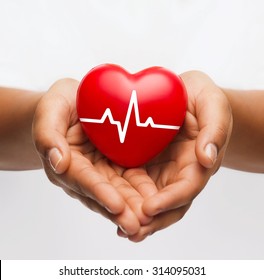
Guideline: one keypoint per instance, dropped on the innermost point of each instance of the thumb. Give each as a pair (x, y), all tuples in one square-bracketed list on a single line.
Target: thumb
[(215, 124), (51, 123)]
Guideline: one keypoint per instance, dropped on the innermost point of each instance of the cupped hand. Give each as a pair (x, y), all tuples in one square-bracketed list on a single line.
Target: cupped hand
[(72, 162), (182, 170), (142, 200)]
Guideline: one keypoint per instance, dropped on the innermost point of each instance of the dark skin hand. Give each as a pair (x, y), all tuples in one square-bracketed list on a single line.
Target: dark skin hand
[(141, 200)]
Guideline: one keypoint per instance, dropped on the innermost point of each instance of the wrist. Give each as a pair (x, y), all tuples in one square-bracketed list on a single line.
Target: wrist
[(245, 149), (16, 146)]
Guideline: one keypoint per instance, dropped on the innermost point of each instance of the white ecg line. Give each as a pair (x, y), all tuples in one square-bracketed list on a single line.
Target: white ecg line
[(122, 131)]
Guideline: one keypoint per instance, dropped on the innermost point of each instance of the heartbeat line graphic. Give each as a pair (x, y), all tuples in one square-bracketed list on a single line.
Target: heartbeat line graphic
[(122, 131)]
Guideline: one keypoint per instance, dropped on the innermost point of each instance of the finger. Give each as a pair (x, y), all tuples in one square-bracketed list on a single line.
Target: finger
[(160, 222), (141, 181), (126, 221), (132, 197), (215, 124), (210, 106), (190, 181), (135, 204), (129, 183), (52, 119), (144, 186), (83, 178)]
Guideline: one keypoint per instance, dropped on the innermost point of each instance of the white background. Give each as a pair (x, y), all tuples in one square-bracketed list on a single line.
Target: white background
[(42, 41)]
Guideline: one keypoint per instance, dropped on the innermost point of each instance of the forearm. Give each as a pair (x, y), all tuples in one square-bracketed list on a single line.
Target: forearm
[(245, 150), (17, 108)]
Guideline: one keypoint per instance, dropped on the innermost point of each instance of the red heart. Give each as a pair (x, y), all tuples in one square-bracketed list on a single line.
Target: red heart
[(131, 118)]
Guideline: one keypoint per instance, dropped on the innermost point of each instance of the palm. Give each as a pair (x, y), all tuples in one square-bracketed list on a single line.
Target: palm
[(84, 173), (170, 174), (177, 173), (97, 176), (176, 163), (146, 199)]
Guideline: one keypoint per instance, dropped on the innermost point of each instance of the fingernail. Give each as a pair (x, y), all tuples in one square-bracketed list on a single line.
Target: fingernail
[(108, 210), (211, 152), (55, 158), (123, 230)]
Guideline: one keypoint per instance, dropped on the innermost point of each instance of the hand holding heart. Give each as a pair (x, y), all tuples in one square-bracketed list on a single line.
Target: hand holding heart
[(139, 200), (131, 117)]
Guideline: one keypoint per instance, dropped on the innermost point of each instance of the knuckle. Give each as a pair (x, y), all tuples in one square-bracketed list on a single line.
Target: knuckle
[(221, 134)]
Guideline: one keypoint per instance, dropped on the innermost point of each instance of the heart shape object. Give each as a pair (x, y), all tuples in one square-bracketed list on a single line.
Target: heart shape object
[(130, 118)]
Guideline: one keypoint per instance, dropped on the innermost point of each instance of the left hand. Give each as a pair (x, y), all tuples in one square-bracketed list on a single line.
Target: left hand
[(140, 200), (182, 170)]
